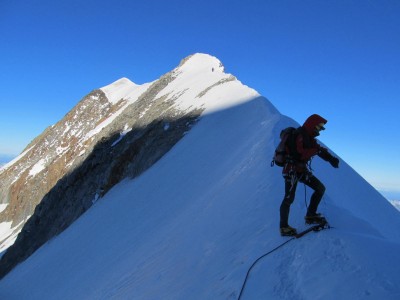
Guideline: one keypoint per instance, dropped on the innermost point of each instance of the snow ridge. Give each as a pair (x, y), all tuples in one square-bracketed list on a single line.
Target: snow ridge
[(119, 89), (192, 224)]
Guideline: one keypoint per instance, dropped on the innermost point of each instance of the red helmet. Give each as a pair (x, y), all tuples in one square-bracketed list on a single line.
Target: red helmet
[(314, 124)]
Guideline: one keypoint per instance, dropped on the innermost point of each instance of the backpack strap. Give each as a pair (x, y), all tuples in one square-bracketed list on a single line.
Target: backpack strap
[(291, 145)]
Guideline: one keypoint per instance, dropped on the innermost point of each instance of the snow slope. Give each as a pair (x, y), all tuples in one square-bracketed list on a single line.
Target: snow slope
[(191, 226), (396, 203)]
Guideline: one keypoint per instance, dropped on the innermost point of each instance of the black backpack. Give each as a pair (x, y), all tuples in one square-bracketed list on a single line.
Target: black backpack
[(286, 150)]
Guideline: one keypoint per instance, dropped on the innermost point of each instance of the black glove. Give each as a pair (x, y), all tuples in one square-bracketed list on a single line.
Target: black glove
[(324, 154), (334, 161)]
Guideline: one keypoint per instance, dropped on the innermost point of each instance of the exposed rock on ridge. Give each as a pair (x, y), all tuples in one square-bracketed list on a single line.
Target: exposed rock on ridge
[(96, 145)]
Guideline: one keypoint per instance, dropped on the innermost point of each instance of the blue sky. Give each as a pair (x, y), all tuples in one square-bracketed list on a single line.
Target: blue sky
[(338, 58)]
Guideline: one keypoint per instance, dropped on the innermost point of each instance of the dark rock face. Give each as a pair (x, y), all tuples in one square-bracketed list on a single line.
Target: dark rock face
[(67, 168), (24, 184), (77, 191)]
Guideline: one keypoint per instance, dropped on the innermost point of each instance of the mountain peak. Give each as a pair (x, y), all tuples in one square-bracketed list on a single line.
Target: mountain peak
[(118, 89), (201, 61)]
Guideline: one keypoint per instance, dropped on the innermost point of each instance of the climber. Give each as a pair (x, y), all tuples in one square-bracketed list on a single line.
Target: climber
[(296, 169)]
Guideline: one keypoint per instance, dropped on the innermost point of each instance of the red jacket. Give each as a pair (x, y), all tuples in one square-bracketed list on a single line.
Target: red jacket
[(306, 145)]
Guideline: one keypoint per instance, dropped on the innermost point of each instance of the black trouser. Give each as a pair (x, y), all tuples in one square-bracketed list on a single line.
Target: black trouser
[(290, 191)]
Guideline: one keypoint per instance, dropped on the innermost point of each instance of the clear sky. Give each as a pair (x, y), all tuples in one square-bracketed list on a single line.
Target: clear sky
[(340, 59)]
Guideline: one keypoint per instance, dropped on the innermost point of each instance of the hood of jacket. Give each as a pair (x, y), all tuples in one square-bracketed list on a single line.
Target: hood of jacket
[(311, 122)]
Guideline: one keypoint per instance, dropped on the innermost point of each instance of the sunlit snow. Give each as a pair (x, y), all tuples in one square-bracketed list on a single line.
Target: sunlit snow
[(191, 226)]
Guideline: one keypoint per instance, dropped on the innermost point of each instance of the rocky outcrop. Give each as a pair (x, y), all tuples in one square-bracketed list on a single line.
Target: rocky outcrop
[(100, 142), (50, 156)]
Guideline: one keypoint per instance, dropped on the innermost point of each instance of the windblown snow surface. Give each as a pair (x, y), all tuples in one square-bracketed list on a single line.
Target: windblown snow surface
[(191, 226)]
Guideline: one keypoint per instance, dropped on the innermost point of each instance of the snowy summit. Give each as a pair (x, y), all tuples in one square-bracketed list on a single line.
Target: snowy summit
[(191, 225)]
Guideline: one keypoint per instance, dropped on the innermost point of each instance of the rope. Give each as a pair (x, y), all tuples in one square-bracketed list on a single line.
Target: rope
[(257, 260), (325, 226)]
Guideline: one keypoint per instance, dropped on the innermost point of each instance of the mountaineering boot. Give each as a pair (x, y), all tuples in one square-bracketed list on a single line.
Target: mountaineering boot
[(315, 219), (288, 231)]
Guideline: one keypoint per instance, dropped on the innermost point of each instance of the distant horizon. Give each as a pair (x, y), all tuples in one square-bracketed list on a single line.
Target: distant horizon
[(6, 158), (391, 196)]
